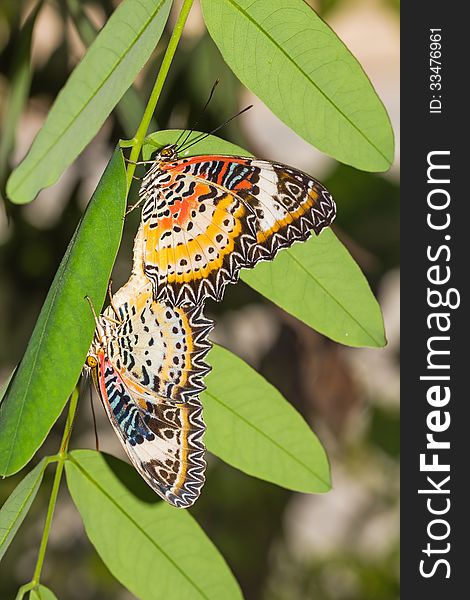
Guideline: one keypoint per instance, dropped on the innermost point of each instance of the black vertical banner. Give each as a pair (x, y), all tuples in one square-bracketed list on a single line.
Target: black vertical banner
[(435, 210)]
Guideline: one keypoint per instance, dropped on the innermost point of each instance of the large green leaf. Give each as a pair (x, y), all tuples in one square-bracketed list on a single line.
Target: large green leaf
[(131, 107), (94, 88), (252, 427), (317, 281), (302, 71), (15, 509), (57, 349), (320, 283), (155, 550)]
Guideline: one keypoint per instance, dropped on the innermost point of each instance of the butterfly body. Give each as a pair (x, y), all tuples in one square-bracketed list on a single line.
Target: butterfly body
[(206, 217)]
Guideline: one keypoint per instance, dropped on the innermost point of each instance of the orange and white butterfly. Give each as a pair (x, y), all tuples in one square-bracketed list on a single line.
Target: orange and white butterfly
[(205, 218), (147, 363)]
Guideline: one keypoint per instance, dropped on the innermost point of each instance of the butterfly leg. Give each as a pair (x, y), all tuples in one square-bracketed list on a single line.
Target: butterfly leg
[(92, 306), (99, 326), (133, 206), (111, 303), (97, 442)]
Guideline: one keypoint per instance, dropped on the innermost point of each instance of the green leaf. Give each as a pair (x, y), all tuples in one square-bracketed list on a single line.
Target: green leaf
[(316, 281), (320, 283), (16, 507), (252, 427), (42, 593), (18, 92), (155, 550), (92, 91), (131, 107), (57, 349), (284, 53)]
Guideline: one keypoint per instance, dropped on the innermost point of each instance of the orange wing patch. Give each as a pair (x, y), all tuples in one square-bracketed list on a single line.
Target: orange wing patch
[(195, 241)]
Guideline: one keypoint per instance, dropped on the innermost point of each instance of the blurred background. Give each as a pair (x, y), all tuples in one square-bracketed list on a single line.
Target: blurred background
[(281, 545)]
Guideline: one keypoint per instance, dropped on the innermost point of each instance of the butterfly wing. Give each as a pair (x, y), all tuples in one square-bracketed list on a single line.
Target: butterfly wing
[(196, 236), (288, 204), (160, 349), (162, 439), (207, 217)]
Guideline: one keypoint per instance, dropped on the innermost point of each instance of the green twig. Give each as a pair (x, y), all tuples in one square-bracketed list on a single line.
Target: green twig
[(157, 89), (62, 455), (27, 587)]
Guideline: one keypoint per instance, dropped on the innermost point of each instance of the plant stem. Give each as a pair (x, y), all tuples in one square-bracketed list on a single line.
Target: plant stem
[(64, 445), (24, 589), (47, 525), (55, 486), (157, 89)]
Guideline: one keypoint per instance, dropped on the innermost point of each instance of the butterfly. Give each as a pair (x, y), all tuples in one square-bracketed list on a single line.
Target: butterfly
[(158, 349), (147, 363), (205, 218)]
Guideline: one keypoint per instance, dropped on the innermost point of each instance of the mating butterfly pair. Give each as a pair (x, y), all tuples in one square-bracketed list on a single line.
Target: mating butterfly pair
[(203, 220)]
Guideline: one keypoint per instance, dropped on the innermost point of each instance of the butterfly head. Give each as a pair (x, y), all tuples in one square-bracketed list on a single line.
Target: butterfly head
[(167, 153), (102, 332), (91, 367), (94, 357), (91, 361)]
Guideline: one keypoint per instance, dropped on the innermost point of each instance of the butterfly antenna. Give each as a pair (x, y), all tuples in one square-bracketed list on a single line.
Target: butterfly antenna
[(97, 442), (215, 84), (204, 135)]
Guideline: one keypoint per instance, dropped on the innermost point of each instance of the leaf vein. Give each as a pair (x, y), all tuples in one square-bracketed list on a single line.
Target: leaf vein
[(307, 76), (270, 439), (135, 524)]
